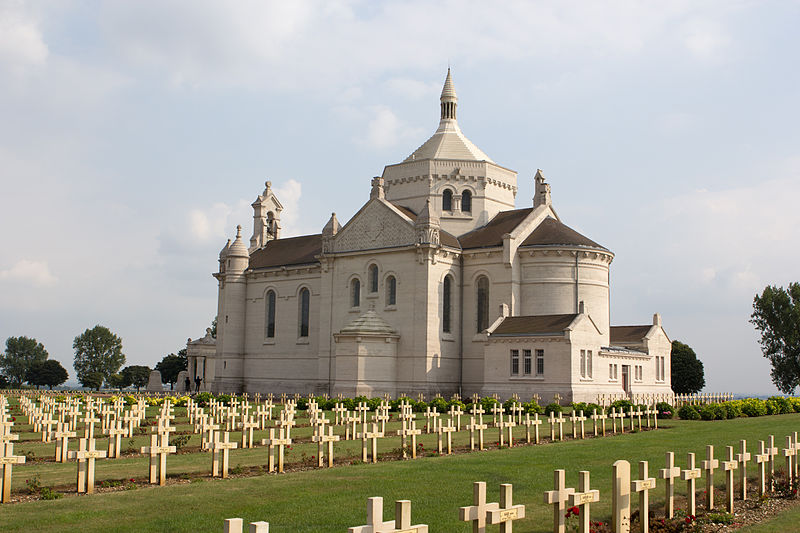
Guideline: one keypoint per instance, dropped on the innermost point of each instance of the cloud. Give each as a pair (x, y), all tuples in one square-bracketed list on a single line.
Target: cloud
[(289, 196), (705, 39), (21, 42), (386, 129), (36, 273)]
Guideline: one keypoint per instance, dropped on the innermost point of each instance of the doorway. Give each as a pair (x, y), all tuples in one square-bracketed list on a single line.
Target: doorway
[(626, 378)]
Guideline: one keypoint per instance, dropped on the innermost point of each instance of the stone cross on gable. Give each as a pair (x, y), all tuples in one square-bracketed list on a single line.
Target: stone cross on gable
[(448, 431), (86, 455), (401, 523), (373, 437), (473, 427), (583, 500), (222, 447), (729, 465), (115, 431), (476, 513), (742, 458), (790, 452), (668, 474), (708, 466), (7, 461), (62, 435), (643, 486), (507, 512), (690, 475), (761, 460), (558, 498), (158, 450), (280, 441)]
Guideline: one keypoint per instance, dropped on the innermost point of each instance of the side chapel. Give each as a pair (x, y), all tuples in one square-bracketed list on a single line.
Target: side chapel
[(438, 284)]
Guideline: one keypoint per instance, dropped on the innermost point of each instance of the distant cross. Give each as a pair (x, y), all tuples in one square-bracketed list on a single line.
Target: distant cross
[(447, 431), (560, 422), (455, 413), (729, 465), (373, 437), (601, 417), (507, 513), (742, 458), (280, 441), (248, 425), (535, 423), (474, 426), (158, 450), (552, 422), (401, 523), (62, 435), (88, 425), (115, 431), (222, 447), (558, 499)]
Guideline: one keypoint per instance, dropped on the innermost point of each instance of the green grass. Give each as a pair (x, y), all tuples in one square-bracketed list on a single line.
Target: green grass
[(335, 499), (786, 521)]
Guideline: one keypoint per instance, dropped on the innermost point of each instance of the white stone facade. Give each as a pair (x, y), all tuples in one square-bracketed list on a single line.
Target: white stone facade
[(453, 284)]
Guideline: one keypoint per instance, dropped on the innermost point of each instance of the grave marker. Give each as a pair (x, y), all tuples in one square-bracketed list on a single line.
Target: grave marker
[(709, 465), (690, 475), (668, 474), (729, 465), (401, 524), (643, 486), (158, 457), (7, 461), (476, 513), (558, 498), (621, 497), (742, 458), (86, 455), (583, 500), (507, 513)]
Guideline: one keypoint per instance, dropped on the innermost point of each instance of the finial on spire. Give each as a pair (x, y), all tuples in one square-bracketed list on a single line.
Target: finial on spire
[(239, 231), (448, 99)]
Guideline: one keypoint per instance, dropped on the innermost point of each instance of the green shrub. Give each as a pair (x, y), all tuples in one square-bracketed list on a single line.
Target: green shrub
[(202, 399), (302, 404), (623, 405), (732, 409), (440, 404), (533, 408), (579, 406), (49, 494), (458, 403), (665, 410), (224, 399), (419, 407), (395, 404), (712, 411), (778, 405), (688, 412), (754, 407), (487, 404), (552, 408), (590, 407), (795, 404)]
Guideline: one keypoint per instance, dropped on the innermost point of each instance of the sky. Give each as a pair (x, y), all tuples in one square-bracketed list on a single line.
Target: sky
[(135, 135)]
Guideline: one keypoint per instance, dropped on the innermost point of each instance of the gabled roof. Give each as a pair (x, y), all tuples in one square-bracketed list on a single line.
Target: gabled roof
[(445, 239), (491, 234), (621, 335), (551, 232), (534, 325), (368, 323), (285, 252)]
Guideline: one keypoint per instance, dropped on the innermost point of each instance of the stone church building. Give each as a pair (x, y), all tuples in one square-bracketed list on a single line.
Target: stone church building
[(438, 284)]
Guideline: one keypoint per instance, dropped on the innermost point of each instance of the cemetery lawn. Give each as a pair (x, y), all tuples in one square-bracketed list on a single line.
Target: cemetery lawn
[(322, 500)]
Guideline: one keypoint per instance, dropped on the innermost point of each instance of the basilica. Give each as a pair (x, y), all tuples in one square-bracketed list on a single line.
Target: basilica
[(438, 284)]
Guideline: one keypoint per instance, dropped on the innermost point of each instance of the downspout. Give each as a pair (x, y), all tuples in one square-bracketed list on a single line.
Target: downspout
[(461, 325)]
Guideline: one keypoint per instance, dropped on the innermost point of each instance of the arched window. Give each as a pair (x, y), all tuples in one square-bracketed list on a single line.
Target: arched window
[(447, 293), (373, 278), (391, 290), (355, 293), (270, 325), (466, 202), (447, 200), (305, 296), (482, 286)]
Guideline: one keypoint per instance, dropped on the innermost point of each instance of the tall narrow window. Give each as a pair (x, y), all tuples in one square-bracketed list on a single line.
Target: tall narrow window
[(355, 293), (391, 290), (589, 364), (583, 363), (526, 359), (539, 362), (482, 308), (270, 314), (514, 362), (373, 278), (304, 310), (447, 200), (466, 202), (447, 292)]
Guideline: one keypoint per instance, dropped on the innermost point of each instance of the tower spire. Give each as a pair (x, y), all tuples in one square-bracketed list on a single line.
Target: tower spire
[(448, 99)]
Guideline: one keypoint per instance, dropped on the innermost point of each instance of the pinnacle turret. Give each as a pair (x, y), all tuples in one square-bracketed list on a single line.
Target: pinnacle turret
[(448, 99)]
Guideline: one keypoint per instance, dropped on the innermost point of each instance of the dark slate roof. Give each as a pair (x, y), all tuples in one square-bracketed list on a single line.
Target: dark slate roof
[(534, 325), (491, 234), (285, 252), (446, 239), (621, 335), (551, 232)]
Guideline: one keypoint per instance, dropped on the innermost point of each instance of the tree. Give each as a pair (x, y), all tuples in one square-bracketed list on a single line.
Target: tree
[(776, 315), (136, 375), (97, 350), (21, 353), (171, 365), (49, 373), (687, 370), (91, 380), (214, 328)]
